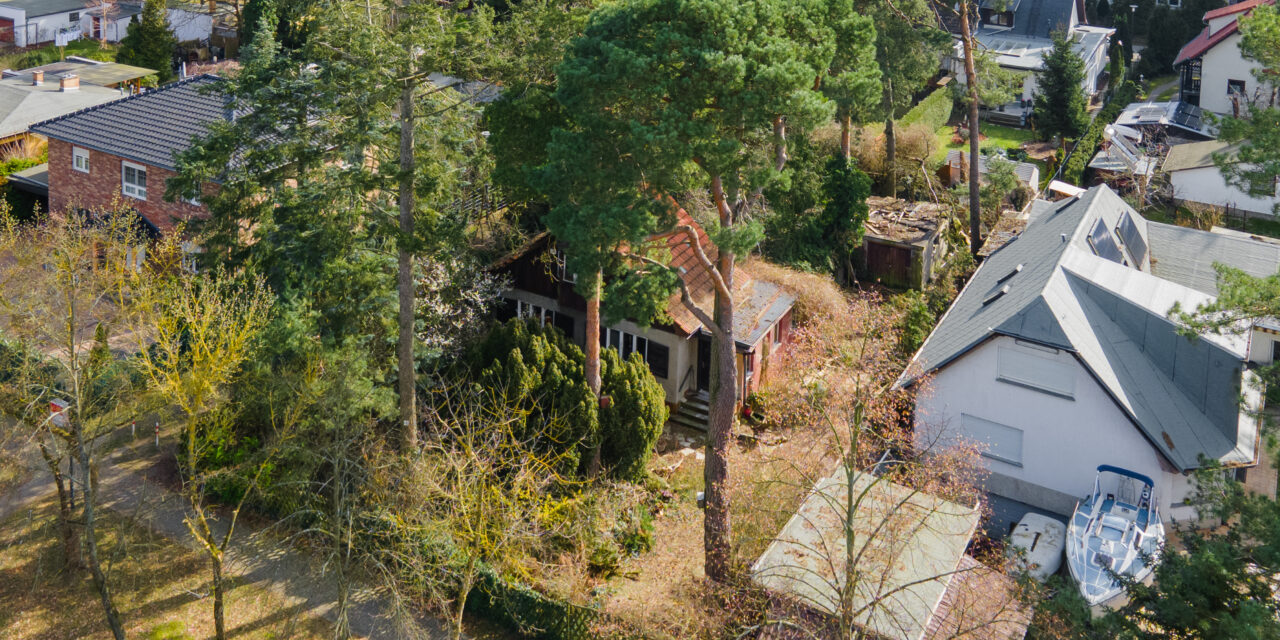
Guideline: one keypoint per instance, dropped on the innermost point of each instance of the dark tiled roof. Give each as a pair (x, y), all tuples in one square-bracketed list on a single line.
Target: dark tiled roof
[(150, 128)]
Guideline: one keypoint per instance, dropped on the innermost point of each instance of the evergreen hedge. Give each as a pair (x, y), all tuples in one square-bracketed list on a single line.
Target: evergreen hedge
[(1087, 145), (934, 111)]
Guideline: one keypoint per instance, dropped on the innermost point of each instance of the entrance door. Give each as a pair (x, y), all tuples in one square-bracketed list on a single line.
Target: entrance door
[(704, 363)]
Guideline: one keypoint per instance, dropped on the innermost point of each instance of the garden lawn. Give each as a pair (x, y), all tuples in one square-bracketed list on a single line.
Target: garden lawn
[(995, 136), (84, 47)]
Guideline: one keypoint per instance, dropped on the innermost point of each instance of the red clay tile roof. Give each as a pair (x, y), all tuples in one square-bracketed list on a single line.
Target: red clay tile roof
[(1235, 8), (1206, 41)]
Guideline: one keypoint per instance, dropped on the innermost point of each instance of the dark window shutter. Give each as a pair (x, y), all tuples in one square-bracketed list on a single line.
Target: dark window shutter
[(659, 358)]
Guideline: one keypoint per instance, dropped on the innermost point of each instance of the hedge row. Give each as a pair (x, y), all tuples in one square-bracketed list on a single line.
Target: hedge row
[(934, 110), (527, 612), (1087, 145)]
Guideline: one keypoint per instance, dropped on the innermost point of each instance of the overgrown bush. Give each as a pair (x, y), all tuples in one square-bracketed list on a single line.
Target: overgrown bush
[(540, 370), (933, 112), (631, 424), (916, 322)]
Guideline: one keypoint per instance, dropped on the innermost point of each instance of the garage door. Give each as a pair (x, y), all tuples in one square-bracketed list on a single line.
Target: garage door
[(6, 30)]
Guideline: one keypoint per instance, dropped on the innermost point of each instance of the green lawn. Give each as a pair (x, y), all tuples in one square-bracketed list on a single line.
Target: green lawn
[(996, 137), (1165, 94)]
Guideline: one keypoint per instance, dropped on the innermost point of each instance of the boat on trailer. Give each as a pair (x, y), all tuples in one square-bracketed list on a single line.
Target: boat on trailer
[(1115, 535)]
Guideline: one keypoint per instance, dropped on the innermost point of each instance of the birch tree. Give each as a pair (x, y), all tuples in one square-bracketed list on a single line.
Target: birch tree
[(201, 329), (64, 280)]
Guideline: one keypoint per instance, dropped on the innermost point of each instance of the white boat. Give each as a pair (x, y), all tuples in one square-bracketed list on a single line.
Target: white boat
[(1039, 541), (1115, 535)]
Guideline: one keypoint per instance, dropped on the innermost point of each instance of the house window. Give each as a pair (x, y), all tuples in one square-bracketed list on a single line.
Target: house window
[(1235, 87), (1002, 19), (1275, 351), (658, 356), (134, 180), (995, 441), (562, 268), (73, 17), (80, 159), (1014, 366)]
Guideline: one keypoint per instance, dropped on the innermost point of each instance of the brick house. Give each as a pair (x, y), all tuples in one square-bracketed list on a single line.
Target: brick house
[(677, 350), (124, 152)]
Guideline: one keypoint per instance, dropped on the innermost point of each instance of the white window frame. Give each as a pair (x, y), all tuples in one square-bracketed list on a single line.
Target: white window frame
[(990, 447), (130, 189), (80, 159)]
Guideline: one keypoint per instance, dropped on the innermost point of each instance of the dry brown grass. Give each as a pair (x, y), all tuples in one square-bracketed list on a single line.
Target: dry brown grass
[(157, 582), (816, 295)]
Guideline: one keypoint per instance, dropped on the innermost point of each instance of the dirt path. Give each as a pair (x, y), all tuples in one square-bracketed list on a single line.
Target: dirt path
[(255, 556)]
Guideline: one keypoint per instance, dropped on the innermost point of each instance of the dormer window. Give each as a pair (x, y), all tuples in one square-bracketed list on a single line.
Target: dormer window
[(1003, 19)]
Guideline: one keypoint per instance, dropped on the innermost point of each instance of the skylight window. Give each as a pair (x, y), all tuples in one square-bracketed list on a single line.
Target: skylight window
[(1012, 272), (1104, 245), (1132, 238)]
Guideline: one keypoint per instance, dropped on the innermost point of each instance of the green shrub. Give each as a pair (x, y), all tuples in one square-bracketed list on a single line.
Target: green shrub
[(604, 561), (916, 323), (934, 110), (631, 424), (541, 373), (636, 532)]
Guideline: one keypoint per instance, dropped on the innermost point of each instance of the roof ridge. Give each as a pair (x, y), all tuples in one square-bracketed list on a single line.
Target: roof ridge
[(167, 87)]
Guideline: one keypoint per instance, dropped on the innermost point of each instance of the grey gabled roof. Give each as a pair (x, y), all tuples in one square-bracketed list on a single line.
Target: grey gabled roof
[(22, 103), (1049, 286), (36, 8), (1186, 256), (149, 128)]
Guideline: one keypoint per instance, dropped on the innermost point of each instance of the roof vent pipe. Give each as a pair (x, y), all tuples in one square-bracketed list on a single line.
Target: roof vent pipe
[(37, 77), (69, 82), (1064, 237)]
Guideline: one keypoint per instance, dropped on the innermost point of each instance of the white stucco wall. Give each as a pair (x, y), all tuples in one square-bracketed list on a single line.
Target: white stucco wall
[(1220, 64), (38, 29), (190, 25), (1064, 440), (1206, 185), (682, 356)]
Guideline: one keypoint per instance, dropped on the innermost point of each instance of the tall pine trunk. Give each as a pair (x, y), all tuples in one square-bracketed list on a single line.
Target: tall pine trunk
[(723, 410), (404, 279), (591, 344), (846, 126), (891, 155), (89, 492), (971, 76)]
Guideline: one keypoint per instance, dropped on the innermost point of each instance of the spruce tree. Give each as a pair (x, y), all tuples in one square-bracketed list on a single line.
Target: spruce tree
[(149, 42), (1061, 108)]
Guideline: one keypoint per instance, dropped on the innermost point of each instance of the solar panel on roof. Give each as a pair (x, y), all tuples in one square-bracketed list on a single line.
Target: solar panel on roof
[(1132, 238), (1104, 245)]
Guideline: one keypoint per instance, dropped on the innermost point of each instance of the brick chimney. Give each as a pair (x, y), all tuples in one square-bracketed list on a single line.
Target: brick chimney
[(69, 82), (37, 78)]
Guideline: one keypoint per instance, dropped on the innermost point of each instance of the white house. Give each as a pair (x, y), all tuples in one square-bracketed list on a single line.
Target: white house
[(1019, 33), (1211, 68), (27, 22), (1196, 179), (31, 22), (1058, 356)]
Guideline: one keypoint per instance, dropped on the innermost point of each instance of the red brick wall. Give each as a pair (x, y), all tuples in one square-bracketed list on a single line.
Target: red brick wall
[(100, 189)]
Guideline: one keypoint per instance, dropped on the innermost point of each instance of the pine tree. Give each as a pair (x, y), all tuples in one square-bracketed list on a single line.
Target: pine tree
[(149, 43), (1061, 109)]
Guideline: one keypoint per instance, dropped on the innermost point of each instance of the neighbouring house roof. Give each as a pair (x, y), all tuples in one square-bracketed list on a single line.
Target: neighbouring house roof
[(1188, 118), (150, 128), (903, 221), (35, 8), (1194, 155), (1186, 256), (1050, 286), (1026, 172), (32, 179), (911, 545), (1234, 8), (23, 104), (94, 72), (1037, 18), (1207, 40)]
